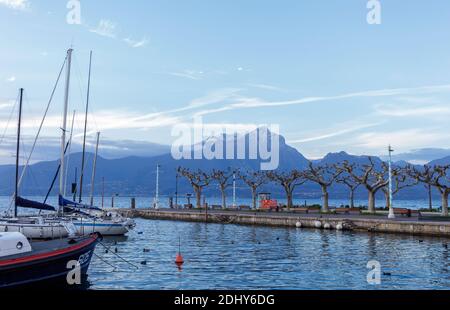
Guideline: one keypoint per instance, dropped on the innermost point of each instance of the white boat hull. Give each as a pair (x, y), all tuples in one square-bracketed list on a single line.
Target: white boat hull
[(105, 228), (36, 231)]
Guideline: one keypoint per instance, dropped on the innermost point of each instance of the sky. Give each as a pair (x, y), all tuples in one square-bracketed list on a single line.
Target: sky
[(329, 79)]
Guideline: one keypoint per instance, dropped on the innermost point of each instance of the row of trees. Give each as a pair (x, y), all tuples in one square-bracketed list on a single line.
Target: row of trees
[(373, 176)]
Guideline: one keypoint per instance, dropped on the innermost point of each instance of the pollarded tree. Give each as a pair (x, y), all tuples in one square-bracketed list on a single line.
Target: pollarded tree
[(254, 180), (370, 177), (289, 181), (400, 180), (222, 178), (198, 180), (348, 181), (425, 176), (324, 176), (438, 177)]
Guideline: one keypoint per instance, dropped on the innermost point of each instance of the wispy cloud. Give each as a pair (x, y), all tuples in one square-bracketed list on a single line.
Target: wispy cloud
[(16, 4), (265, 87), (136, 43), (11, 79), (6, 104), (189, 74), (342, 130), (254, 102), (405, 139), (105, 28), (415, 111)]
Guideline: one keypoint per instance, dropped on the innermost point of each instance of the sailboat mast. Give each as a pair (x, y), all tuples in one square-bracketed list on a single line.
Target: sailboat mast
[(94, 167), (16, 193), (68, 153), (85, 129), (64, 126)]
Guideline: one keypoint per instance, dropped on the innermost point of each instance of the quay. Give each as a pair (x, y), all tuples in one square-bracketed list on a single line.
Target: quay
[(348, 222)]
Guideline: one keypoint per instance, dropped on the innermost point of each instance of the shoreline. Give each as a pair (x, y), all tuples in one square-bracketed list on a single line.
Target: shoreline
[(368, 224)]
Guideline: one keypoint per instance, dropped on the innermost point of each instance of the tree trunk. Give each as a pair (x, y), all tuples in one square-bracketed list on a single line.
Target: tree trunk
[(254, 198), (352, 198), (198, 195), (224, 198), (388, 201), (371, 202), (289, 198), (325, 197), (430, 197), (445, 203)]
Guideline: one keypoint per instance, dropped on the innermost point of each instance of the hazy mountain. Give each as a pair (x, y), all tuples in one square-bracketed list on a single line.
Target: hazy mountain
[(49, 148), (421, 156)]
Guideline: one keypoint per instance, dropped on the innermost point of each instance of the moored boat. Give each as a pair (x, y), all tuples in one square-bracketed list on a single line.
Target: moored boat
[(32, 227), (33, 263)]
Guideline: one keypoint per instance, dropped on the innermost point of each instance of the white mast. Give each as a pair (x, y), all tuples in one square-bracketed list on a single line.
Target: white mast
[(64, 125), (157, 188), (94, 169), (391, 207), (68, 153)]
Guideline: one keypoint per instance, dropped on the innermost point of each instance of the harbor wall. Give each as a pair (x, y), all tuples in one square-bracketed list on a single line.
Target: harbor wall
[(438, 229)]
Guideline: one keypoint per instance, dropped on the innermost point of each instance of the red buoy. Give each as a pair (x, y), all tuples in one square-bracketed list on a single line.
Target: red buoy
[(179, 260)]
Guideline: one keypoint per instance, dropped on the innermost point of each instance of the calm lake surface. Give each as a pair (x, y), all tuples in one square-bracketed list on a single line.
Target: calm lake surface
[(243, 257)]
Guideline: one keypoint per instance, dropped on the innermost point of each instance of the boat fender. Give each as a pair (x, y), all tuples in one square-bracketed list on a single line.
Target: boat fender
[(327, 226), (340, 226), (298, 225), (317, 224)]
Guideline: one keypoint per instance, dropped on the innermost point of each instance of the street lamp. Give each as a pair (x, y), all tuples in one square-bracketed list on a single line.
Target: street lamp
[(391, 207), (156, 204), (176, 190), (234, 189)]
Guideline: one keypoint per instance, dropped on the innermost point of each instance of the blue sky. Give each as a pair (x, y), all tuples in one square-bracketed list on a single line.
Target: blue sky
[(332, 81)]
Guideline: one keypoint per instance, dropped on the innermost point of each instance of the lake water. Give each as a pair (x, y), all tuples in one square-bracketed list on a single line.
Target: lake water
[(244, 257)]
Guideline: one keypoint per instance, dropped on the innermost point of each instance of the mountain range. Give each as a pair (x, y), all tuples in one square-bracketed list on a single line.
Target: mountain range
[(136, 175)]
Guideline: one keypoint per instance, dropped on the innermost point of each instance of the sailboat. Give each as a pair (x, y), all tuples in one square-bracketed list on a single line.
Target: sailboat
[(36, 227), (88, 218)]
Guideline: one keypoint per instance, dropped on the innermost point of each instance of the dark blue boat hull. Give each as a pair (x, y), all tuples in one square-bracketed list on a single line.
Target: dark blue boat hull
[(41, 271)]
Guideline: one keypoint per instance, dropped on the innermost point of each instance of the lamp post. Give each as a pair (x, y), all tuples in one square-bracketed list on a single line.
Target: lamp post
[(391, 207), (176, 190), (234, 189), (157, 188)]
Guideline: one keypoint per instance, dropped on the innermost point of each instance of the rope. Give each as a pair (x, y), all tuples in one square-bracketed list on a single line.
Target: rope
[(120, 257), (40, 127), (9, 121), (107, 263)]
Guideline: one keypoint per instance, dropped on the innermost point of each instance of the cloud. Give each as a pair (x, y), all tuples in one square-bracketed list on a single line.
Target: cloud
[(11, 79), (342, 130), (105, 28), (20, 5), (265, 87), (408, 111), (406, 139), (189, 74), (6, 104), (136, 44), (242, 102)]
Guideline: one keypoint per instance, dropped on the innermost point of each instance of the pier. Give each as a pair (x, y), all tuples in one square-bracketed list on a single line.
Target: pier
[(358, 223)]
